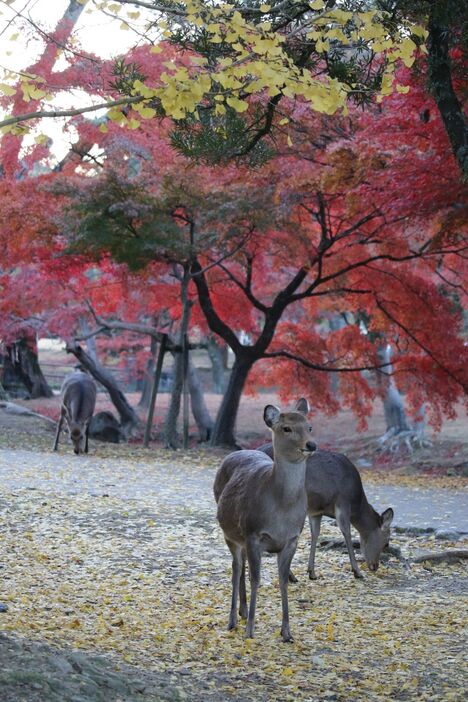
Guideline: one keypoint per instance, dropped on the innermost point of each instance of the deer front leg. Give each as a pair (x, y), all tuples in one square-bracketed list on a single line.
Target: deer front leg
[(285, 557), (254, 557), (236, 574), (314, 523), (343, 522), (59, 429)]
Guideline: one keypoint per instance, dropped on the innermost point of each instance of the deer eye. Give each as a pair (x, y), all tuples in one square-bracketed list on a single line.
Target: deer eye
[(287, 429), (310, 428)]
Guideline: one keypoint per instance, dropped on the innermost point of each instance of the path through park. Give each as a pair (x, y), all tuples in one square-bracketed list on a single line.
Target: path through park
[(115, 561)]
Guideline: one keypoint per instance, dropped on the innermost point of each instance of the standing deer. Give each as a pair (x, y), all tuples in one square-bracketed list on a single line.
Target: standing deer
[(334, 489), (78, 395), (262, 506)]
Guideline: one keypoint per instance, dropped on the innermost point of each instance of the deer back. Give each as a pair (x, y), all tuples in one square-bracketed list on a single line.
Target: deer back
[(78, 397)]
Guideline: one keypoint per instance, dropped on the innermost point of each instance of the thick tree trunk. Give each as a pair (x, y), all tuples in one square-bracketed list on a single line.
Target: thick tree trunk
[(128, 417), (216, 352), (24, 361), (197, 401), (224, 429), (441, 86)]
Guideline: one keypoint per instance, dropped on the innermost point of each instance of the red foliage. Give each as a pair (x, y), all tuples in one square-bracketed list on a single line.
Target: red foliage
[(371, 209)]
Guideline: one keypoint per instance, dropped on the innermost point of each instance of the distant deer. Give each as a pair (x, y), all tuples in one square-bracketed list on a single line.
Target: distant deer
[(262, 506), (78, 395), (334, 489)]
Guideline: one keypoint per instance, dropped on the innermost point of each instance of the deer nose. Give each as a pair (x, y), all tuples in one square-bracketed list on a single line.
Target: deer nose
[(311, 446)]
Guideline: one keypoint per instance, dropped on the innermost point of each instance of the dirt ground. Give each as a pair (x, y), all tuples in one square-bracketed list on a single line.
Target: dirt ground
[(115, 584)]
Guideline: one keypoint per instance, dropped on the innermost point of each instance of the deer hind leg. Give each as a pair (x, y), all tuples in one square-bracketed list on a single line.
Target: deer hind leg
[(87, 437), (314, 523), (243, 611), (342, 518), (254, 557), (236, 575), (59, 429), (285, 557)]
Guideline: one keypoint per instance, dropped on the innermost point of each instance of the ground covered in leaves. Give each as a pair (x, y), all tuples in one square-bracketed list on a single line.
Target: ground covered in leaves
[(116, 581)]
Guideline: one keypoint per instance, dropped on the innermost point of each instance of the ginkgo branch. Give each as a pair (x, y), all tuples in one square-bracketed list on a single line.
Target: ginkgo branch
[(39, 114)]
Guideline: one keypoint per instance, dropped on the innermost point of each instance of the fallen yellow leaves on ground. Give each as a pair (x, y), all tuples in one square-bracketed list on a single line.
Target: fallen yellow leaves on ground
[(143, 576)]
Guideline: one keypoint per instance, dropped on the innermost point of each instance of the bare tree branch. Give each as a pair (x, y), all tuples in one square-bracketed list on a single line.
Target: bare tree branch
[(320, 367)]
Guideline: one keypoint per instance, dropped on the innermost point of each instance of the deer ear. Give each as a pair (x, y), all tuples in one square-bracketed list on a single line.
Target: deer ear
[(302, 406), (271, 415), (387, 517)]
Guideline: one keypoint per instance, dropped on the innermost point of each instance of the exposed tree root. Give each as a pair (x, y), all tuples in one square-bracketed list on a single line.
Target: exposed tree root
[(452, 556)]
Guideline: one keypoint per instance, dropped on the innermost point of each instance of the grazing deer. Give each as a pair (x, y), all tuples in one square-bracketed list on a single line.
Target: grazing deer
[(78, 395), (262, 506), (334, 489)]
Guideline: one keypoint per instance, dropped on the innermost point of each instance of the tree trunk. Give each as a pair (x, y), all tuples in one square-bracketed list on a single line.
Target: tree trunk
[(223, 432), (441, 86), (395, 416), (394, 409), (171, 437), (197, 400), (336, 323), (91, 341), (3, 393), (149, 375), (216, 353), (400, 431), (128, 417), (25, 364)]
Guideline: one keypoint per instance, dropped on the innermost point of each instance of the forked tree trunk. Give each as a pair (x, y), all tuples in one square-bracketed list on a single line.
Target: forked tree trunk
[(24, 362), (224, 429), (200, 411), (129, 419)]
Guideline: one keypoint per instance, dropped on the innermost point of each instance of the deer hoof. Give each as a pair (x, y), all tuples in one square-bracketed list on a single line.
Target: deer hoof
[(287, 638), (358, 575), (232, 623), (292, 577), (312, 575), (243, 613), (249, 631)]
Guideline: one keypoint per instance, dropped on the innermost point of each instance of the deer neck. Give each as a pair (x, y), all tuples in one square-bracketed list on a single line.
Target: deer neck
[(288, 477), (366, 519)]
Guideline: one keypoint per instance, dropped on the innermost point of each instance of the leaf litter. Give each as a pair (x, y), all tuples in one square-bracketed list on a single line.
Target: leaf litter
[(122, 557)]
